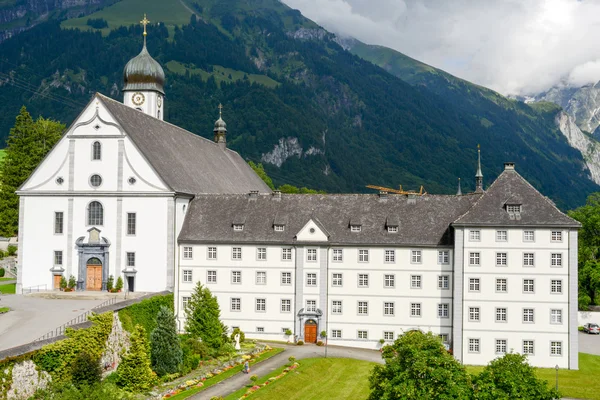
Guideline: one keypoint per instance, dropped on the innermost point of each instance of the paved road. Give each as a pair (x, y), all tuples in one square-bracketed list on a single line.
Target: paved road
[(238, 381), (589, 343), (33, 317)]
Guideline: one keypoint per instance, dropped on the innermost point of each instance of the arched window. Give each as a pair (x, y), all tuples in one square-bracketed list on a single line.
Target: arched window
[(96, 151), (95, 213)]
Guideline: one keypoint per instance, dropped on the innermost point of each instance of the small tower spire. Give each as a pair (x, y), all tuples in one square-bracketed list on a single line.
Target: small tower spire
[(459, 191), (479, 174), (145, 22), (220, 130)]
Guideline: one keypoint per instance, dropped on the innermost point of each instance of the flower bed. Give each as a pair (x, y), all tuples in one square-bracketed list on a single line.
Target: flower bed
[(199, 382), (255, 388)]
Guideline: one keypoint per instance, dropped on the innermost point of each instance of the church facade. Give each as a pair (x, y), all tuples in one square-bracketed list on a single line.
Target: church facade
[(125, 194)]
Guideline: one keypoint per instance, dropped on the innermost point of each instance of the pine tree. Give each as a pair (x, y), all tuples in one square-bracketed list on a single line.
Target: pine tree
[(134, 373), (28, 143), (165, 351), (203, 317)]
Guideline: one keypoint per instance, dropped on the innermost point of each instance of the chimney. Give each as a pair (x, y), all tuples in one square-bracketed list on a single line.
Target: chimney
[(509, 166), (253, 194), (383, 195), (277, 195), (412, 198)]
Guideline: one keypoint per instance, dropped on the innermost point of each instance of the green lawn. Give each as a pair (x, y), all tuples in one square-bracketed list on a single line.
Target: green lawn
[(227, 374), (129, 12), (7, 279), (4, 309), (581, 384), (317, 379), (221, 74), (8, 289)]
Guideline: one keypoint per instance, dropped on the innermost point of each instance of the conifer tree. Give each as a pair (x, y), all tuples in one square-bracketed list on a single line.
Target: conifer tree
[(203, 317), (134, 373), (165, 351), (28, 143)]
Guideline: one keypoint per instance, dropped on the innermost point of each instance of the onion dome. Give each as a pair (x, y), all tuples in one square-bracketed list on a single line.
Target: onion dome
[(144, 73), (220, 128)]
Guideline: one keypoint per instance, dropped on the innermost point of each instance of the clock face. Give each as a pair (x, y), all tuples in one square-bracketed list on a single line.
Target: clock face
[(138, 99), (159, 101)]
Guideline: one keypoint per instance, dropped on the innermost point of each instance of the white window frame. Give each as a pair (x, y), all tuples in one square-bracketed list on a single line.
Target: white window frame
[(235, 304), (185, 300), (338, 255), (363, 280), (527, 233), (260, 305), (501, 236), (279, 228), (130, 259), (528, 316), (355, 228), (58, 258), (556, 236), (416, 310), (211, 276), (337, 307), (337, 279), (236, 277), (474, 345), (286, 305), (131, 224), (392, 229), (501, 259), (444, 282), (188, 253), (363, 255), (501, 346), (556, 260), (311, 255), (236, 253), (556, 316), (362, 307), (474, 258), (474, 236), (474, 314), (444, 257), (286, 254), (443, 310), (416, 281), (389, 256), (501, 285), (474, 284), (416, 257), (261, 278), (238, 227), (529, 259), (389, 308), (501, 315), (389, 281), (528, 347), (556, 286), (187, 276), (261, 253), (311, 305), (529, 283), (284, 278), (556, 348), (336, 333), (59, 222), (311, 279), (362, 334), (513, 208), (211, 253), (388, 336)]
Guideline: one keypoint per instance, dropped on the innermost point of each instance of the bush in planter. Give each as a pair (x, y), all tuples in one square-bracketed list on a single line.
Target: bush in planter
[(300, 342), (288, 332), (11, 250), (72, 282), (119, 285), (320, 343), (2, 272), (323, 334), (110, 283), (63, 283)]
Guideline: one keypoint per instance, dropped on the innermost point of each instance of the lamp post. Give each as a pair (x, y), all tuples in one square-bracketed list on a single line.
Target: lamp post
[(556, 377)]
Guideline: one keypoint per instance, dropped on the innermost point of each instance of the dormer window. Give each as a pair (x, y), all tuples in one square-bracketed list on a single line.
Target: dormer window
[(279, 228), (392, 229), (238, 227), (355, 228), (513, 208)]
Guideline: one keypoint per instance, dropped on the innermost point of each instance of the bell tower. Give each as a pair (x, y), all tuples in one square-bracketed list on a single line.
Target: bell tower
[(143, 82)]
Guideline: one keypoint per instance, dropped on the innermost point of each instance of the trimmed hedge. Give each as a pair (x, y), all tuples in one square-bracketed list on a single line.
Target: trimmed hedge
[(144, 313)]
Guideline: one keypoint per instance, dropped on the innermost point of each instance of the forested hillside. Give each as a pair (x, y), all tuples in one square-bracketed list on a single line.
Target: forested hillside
[(314, 114)]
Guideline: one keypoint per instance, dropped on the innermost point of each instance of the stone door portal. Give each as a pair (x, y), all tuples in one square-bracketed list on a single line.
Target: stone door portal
[(310, 331), (94, 274)]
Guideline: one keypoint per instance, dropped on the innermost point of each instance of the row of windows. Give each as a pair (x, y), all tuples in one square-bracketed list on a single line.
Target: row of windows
[(129, 257), (311, 255), (95, 217), (281, 228), (556, 259), (502, 236), (387, 335), (337, 280), (556, 285), (528, 347), (528, 315)]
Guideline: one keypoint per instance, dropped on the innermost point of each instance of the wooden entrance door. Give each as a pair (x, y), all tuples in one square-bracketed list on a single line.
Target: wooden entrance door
[(310, 331), (94, 274), (57, 281)]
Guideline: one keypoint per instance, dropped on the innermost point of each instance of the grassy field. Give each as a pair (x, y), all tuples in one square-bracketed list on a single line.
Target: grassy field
[(317, 379), (130, 12), (4, 309), (7, 279), (227, 374), (8, 289), (221, 74)]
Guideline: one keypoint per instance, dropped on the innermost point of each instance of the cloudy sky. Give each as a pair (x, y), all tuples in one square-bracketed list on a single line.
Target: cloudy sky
[(516, 47)]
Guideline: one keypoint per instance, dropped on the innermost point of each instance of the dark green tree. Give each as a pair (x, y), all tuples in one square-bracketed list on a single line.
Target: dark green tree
[(417, 366), (134, 373), (511, 377), (260, 171), (28, 143), (165, 349), (86, 370), (203, 317), (589, 250)]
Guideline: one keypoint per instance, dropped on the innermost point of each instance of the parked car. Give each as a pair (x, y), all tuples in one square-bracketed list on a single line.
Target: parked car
[(591, 328)]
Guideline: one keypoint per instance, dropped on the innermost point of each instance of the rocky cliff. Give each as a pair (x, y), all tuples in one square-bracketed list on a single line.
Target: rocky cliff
[(589, 147)]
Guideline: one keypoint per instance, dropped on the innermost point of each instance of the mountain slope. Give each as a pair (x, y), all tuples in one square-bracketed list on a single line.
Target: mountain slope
[(316, 115)]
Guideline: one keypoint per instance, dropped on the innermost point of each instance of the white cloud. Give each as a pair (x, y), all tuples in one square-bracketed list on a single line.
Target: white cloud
[(513, 46)]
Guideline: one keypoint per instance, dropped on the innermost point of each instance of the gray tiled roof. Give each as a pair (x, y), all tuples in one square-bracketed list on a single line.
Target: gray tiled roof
[(187, 163), (512, 188), (425, 223)]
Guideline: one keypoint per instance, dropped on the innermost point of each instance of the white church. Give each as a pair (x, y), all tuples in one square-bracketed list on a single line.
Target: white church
[(124, 193)]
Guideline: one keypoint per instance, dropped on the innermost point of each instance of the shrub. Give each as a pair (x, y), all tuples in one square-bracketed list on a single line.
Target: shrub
[(288, 332), (2, 272), (63, 282), (254, 378), (242, 335), (381, 341), (86, 370), (144, 313), (194, 351), (72, 282), (11, 250), (2, 254), (580, 328), (203, 317), (291, 359), (323, 334), (226, 350), (300, 342), (110, 283), (165, 351), (320, 343), (119, 285), (217, 398), (134, 372)]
